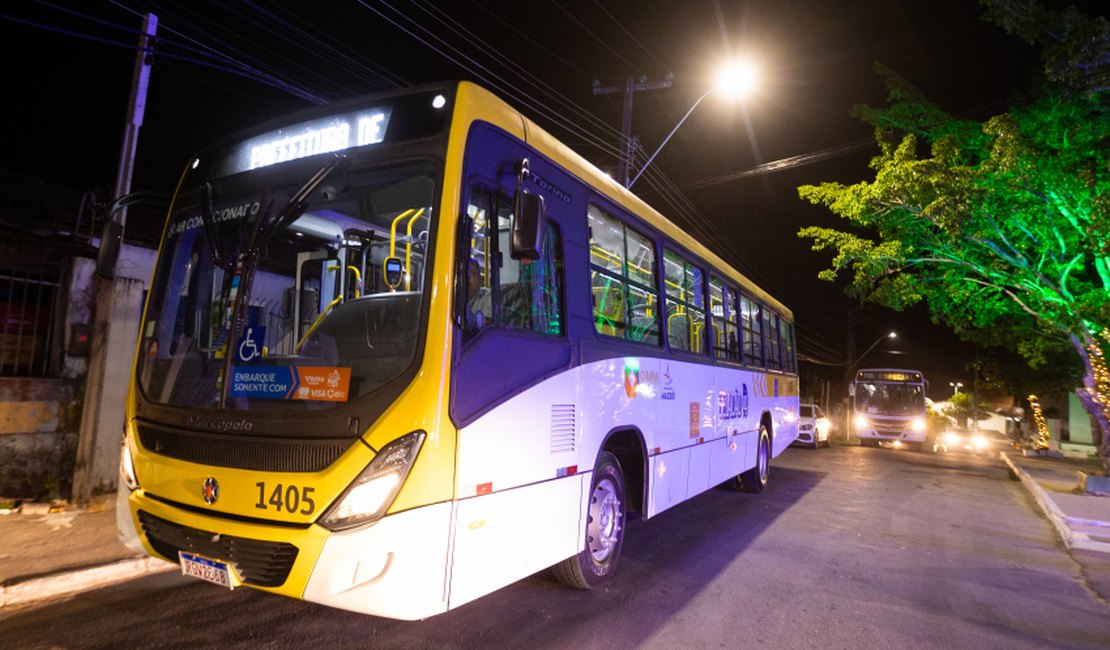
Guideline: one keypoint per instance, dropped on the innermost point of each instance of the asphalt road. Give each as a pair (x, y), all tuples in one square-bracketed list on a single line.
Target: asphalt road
[(848, 548)]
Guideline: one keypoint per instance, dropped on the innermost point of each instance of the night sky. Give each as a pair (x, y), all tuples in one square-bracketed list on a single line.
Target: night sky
[(68, 69)]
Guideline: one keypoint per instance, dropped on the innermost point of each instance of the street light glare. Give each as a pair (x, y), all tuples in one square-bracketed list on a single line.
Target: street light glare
[(893, 334), (736, 79)]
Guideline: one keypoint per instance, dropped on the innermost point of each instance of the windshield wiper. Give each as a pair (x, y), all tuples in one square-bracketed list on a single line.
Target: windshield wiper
[(297, 204), (247, 259), (209, 221)]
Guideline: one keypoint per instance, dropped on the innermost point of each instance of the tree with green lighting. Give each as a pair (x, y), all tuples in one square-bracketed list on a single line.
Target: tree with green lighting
[(1001, 227), (963, 407)]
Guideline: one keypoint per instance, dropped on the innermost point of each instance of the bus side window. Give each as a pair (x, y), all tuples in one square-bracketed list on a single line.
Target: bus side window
[(725, 328), (749, 325), (622, 276), (771, 339), (532, 290), (480, 265), (786, 331), (519, 294), (685, 302)]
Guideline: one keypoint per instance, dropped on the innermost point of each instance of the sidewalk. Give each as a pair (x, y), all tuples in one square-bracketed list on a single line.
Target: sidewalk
[(1082, 520), (49, 554), (45, 554)]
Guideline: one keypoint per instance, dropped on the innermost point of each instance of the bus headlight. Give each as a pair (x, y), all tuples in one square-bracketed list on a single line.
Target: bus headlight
[(918, 424), (127, 467), (373, 491), (861, 422)]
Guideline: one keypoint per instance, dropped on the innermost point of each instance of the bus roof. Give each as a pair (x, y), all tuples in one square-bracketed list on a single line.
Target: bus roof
[(516, 123)]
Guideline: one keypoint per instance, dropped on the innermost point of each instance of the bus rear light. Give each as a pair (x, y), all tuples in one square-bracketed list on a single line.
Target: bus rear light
[(371, 494)]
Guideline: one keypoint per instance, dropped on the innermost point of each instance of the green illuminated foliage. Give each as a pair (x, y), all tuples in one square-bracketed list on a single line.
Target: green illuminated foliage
[(962, 408), (1002, 227)]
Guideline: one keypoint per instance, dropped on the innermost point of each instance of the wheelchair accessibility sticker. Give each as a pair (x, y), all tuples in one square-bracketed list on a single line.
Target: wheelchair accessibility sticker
[(250, 346), (291, 383)]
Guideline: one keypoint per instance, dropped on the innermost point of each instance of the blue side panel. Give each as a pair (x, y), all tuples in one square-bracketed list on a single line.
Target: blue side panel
[(501, 362)]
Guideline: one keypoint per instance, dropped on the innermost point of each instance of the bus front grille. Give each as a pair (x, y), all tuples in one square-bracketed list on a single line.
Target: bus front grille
[(256, 562), (239, 452)]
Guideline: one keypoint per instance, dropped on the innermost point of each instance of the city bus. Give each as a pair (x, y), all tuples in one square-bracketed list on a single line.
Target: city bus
[(401, 351), (889, 406)]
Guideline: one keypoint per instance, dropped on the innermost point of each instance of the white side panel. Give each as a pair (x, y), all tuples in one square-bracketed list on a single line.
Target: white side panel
[(699, 467), (395, 567), (731, 456), (669, 475), (514, 445), (505, 536)]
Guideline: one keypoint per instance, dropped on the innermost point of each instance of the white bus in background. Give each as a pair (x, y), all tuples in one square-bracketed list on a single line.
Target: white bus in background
[(889, 406)]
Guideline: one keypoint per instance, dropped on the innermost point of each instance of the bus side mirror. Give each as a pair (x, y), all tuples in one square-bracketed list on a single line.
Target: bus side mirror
[(110, 241), (529, 219), (851, 390)]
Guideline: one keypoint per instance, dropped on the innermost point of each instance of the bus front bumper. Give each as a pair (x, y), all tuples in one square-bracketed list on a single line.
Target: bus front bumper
[(395, 567), (891, 436)]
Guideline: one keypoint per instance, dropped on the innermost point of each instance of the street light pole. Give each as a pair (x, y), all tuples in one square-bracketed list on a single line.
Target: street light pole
[(668, 138), (879, 340), (955, 387), (734, 79)]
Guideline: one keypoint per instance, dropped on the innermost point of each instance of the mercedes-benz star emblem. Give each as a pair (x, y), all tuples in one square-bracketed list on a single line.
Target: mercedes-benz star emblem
[(210, 490)]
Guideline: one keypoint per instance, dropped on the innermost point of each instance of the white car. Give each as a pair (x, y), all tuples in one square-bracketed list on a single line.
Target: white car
[(813, 426)]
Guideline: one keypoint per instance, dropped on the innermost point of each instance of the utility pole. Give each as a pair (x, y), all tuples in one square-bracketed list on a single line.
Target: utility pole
[(849, 371), (628, 143), (115, 325)]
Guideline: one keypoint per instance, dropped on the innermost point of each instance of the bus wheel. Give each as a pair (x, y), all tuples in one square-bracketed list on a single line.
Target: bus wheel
[(755, 479), (604, 529)]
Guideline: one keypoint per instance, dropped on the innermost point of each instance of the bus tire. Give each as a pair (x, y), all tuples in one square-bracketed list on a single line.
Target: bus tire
[(605, 521), (756, 478)]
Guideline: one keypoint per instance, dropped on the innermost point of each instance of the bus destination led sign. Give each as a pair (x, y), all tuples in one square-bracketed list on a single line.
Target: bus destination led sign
[(888, 375), (333, 133)]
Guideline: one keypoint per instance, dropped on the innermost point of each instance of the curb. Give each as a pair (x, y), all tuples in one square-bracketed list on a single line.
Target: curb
[(64, 583), (1075, 532)]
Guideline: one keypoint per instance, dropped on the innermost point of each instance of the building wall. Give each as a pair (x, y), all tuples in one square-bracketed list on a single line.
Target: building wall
[(1079, 422), (40, 417), (39, 420)]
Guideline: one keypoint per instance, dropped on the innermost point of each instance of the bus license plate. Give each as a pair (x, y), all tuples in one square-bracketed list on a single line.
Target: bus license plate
[(207, 569)]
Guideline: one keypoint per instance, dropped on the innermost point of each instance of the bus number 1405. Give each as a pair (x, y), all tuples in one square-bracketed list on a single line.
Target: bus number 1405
[(288, 498)]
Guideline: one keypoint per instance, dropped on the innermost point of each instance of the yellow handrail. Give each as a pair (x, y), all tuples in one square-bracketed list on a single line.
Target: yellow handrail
[(393, 231), (408, 249), (316, 323), (358, 278)]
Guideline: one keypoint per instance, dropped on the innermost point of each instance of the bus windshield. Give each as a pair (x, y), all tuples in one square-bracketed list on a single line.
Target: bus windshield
[(877, 398), (288, 288)]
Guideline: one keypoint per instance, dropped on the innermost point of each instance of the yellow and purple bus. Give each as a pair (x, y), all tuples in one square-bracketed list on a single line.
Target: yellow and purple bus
[(402, 351)]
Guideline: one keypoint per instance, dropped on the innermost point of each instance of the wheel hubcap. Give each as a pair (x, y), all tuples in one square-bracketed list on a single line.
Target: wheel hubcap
[(605, 521), (763, 454)]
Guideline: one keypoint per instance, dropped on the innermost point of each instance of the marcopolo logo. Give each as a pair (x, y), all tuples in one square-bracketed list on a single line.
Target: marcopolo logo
[(215, 424), (210, 490)]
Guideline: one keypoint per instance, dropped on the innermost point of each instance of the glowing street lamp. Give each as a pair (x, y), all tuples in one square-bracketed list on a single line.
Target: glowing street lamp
[(735, 80), (879, 340), (956, 386)]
